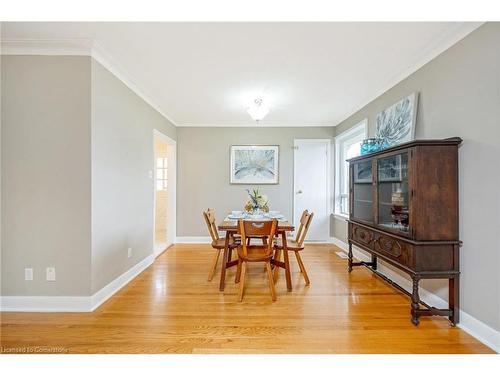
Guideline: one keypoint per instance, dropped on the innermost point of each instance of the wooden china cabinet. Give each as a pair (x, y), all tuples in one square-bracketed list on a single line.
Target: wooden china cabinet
[(403, 208)]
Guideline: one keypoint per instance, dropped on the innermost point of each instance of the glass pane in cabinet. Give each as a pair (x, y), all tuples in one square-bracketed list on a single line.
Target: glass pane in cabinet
[(362, 191), (393, 192)]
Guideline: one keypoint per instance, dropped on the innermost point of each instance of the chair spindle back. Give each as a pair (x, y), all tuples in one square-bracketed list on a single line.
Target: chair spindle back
[(305, 221), (209, 216), (258, 228)]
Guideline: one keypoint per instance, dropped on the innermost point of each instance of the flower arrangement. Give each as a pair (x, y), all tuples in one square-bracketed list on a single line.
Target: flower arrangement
[(256, 201)]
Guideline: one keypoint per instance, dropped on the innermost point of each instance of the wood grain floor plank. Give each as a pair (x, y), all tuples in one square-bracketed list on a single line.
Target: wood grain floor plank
[(172, 308)]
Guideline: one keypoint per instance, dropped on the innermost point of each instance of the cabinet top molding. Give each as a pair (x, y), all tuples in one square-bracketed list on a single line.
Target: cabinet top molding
[(454, 141)]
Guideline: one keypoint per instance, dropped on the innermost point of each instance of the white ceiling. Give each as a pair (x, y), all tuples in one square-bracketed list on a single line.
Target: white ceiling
[(204, 74)]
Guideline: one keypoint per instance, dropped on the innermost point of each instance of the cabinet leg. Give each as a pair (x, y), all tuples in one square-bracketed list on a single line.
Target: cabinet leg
[(415, 300), (374, 262), (349, 256), (453, 298)]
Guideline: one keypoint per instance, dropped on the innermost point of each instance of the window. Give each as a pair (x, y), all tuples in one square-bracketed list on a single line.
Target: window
[(161, 174), (347, 145)]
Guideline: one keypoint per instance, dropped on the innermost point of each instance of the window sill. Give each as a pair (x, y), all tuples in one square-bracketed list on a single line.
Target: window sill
[(340, 216)]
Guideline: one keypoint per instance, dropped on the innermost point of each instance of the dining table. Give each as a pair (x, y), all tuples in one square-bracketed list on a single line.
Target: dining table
[(230, 227)]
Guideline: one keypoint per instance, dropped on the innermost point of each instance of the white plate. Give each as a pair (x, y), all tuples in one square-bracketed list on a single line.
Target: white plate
[(235, 217), (276, 216)]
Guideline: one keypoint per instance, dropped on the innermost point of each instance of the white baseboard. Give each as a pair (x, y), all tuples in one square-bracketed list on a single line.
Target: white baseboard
[(206, 239), (73, 303), (193, 239), (45, 304), (481, 331), (319, 242), (114, 286)]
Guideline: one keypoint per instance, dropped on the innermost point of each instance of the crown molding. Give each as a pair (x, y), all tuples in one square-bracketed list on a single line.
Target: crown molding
[(259, 125), (79, 47), (88, 47), (47, 47)]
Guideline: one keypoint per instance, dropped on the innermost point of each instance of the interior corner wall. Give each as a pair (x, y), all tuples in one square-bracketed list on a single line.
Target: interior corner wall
[(45, 174), (122, 182), (459, 95)]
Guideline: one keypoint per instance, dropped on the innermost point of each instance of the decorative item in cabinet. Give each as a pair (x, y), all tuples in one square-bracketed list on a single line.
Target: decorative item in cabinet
[(390, 169), (363, 173), (408, 215)]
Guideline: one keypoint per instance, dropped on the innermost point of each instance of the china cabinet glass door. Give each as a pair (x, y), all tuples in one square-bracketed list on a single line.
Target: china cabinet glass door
[(362, 191), (393, 197)]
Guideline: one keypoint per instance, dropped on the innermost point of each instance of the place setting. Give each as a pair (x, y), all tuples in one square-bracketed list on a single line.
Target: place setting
[(256, 208)]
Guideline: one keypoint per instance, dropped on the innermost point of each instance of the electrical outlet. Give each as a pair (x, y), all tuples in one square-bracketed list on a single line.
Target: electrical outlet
[(28, 274), (129, 252), (51, 274)]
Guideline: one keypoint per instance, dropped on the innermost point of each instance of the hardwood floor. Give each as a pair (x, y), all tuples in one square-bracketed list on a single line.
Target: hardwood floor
[(172, 308)]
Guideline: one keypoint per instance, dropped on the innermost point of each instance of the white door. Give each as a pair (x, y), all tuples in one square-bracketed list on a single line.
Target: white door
[(311, 185)]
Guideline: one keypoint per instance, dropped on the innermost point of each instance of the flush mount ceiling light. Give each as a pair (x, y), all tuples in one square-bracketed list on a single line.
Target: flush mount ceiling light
[(258, 110)]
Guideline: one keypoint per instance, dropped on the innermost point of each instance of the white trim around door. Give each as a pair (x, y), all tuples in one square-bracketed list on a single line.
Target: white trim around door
[(171, 190)]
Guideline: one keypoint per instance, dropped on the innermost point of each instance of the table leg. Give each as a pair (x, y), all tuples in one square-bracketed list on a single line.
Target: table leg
[(276, 270), (287, 263), (224, 263)]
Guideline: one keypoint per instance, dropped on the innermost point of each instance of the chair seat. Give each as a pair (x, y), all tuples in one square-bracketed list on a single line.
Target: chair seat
[(254, 254), (221, 243), (290, 245)]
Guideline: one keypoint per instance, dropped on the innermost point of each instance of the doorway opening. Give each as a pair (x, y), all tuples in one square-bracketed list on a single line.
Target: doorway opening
[(164, 191)]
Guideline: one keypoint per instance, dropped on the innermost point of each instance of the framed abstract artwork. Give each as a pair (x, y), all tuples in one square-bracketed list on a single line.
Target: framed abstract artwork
[(254, 164), (396, 124)]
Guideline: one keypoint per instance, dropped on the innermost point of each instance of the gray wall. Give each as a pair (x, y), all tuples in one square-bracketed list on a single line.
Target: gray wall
[(46, 174), (460, 96), (122, 191), (203, 171), (77, 147)]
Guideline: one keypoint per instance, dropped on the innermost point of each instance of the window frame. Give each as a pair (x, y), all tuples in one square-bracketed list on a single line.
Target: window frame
[(164, 169), (352, 135)]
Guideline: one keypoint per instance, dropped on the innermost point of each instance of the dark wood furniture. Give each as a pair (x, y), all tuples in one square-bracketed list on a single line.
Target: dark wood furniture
[(231, 228), (403, 208)]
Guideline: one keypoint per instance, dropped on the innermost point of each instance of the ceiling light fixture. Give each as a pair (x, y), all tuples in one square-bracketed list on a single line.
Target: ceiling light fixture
[(258, 110)]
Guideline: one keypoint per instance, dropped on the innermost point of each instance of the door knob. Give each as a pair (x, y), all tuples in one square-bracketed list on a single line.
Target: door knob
[(299, 191)]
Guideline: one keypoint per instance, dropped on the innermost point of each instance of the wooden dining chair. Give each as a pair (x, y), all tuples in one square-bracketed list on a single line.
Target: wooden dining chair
[(255, 253), (217, 242), (296, 245)]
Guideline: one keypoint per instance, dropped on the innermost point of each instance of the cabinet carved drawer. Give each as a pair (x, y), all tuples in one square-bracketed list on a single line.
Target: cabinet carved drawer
[(362, 236), (394, 249)]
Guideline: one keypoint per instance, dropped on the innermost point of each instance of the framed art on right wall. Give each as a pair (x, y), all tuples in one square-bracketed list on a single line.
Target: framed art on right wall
[(396, 124)]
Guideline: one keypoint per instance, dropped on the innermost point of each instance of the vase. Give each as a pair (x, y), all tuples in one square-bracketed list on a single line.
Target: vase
[(256, 211)]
